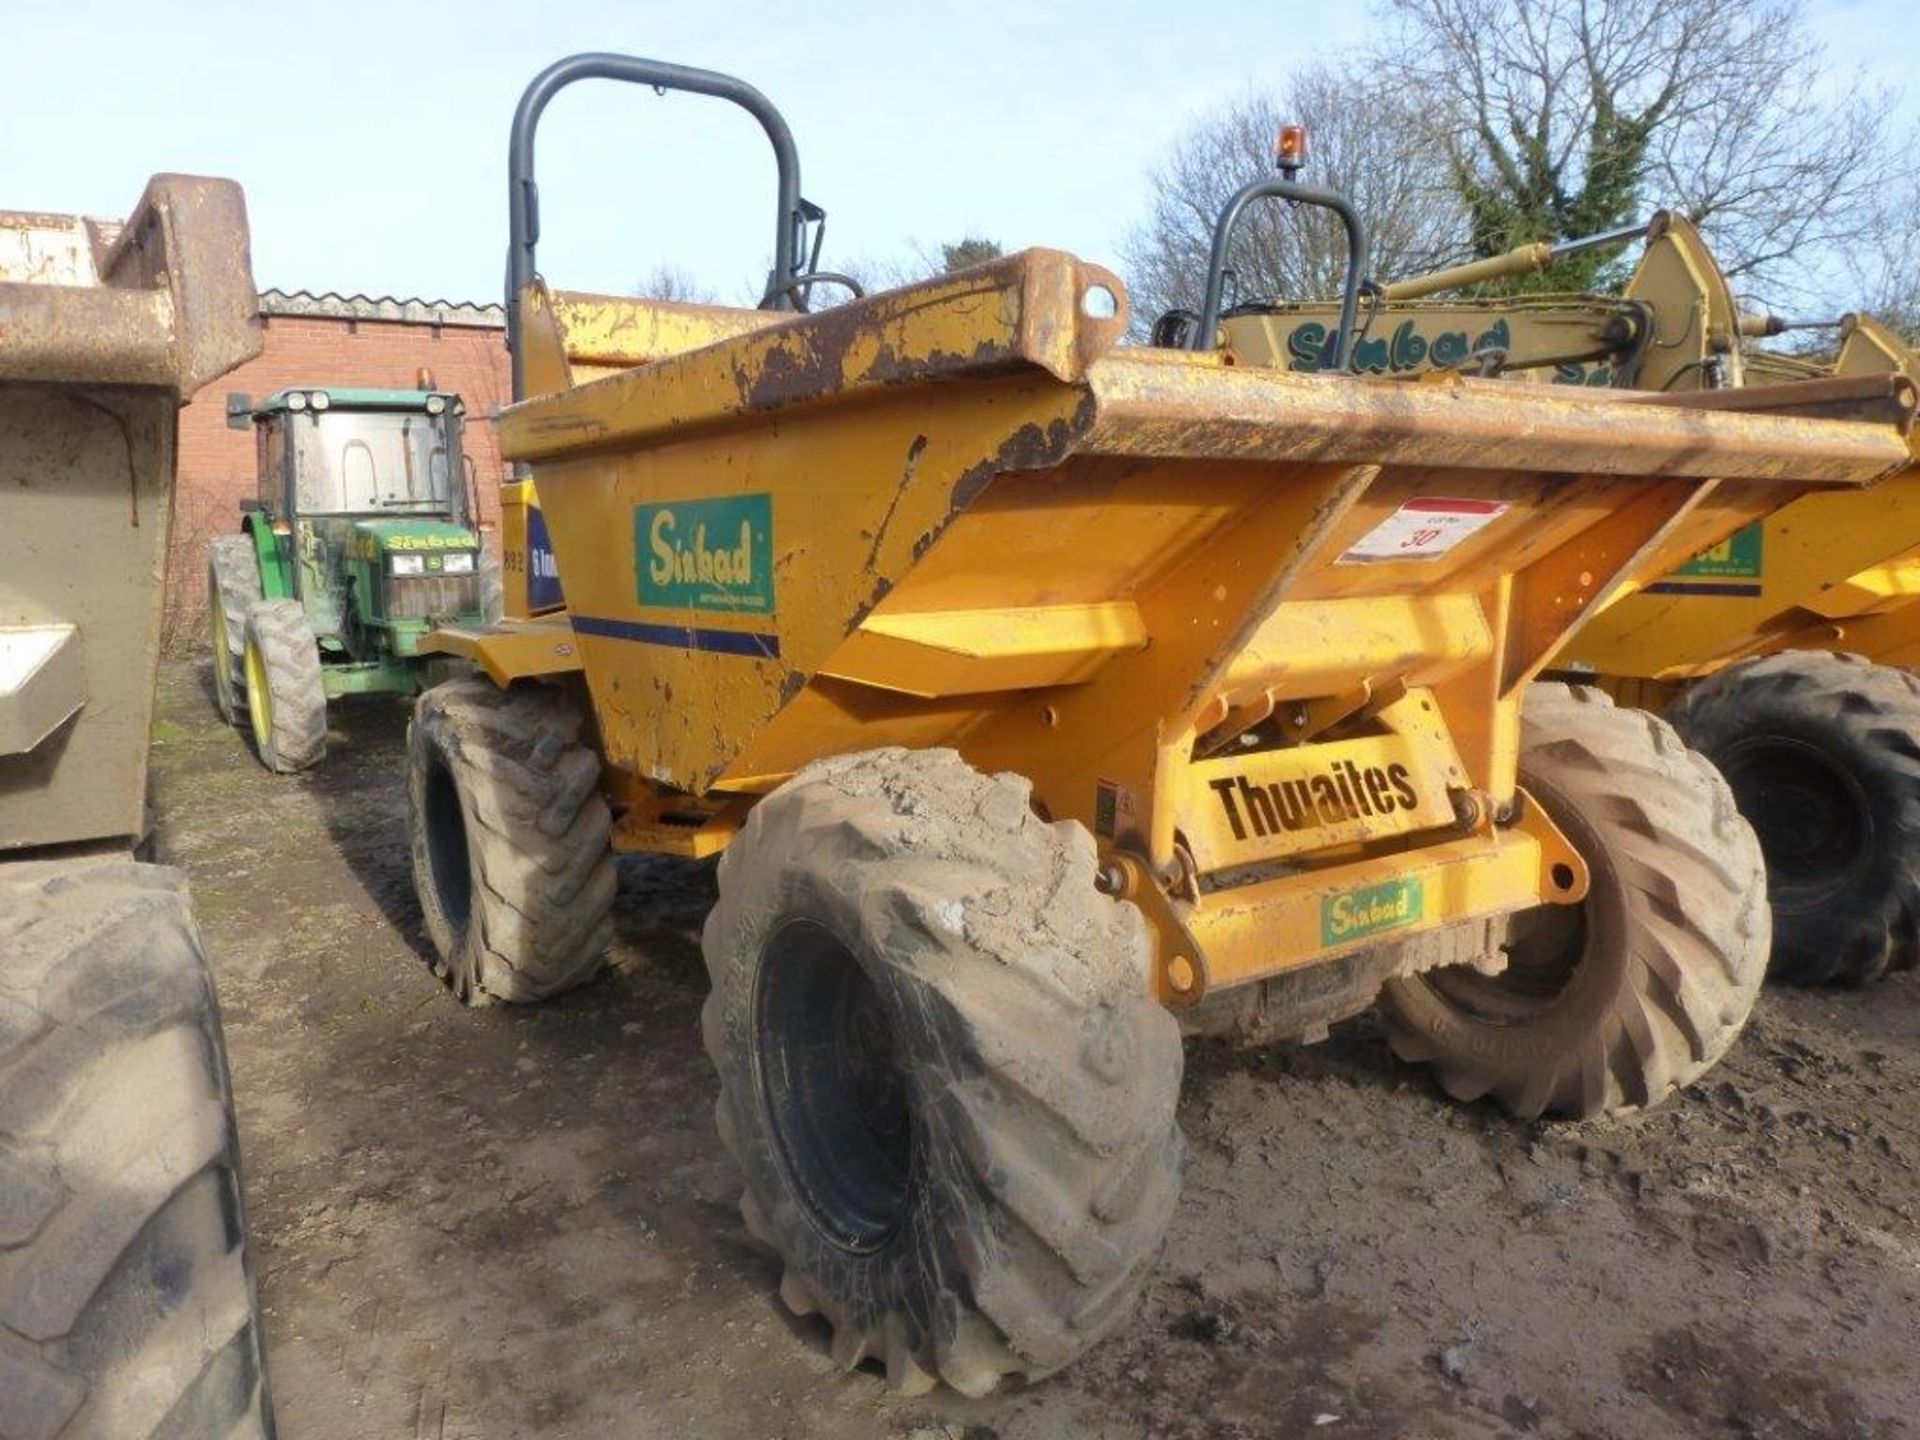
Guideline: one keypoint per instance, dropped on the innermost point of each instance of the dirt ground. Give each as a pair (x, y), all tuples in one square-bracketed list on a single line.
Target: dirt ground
[(475, 1226)]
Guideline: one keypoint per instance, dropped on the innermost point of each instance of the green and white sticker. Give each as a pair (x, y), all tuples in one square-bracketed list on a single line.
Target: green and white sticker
[(1356, 914), (706, 554), (1735, 558)]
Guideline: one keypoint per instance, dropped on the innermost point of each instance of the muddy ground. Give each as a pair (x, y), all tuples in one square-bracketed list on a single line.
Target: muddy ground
[(475, 1226)]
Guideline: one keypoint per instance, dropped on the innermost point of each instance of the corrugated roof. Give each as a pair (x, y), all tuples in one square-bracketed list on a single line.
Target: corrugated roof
[(331, 306)]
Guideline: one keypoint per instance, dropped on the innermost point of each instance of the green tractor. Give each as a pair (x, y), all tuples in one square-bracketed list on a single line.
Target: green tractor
[(360, 541)]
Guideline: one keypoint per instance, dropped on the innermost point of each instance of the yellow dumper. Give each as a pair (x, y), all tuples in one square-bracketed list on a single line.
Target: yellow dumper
[(1043, 696), (1784, 652), (1781, 650)]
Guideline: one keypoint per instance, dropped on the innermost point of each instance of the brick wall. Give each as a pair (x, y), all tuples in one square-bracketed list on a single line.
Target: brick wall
[(217, 464)]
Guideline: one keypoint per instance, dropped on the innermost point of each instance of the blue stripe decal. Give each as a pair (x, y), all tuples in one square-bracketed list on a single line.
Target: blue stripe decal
[(1698, 587), (681, 637)]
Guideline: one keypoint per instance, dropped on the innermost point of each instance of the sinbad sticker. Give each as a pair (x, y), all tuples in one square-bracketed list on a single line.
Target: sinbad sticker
[(1360, 913), (1735, 558), (430, 542), (706, 554)]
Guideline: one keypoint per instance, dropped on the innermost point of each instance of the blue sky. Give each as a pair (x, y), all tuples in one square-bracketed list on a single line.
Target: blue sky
[(371, 138)]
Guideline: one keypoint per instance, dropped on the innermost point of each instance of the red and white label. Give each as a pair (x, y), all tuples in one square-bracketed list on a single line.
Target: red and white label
[(1423, 529)]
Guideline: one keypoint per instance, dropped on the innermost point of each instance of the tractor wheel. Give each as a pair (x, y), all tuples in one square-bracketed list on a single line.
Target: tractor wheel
[(941, 1070), (233, 588), (509, 833), (286, 700), (1612, 1004), (1823, 754), (126, 1302)]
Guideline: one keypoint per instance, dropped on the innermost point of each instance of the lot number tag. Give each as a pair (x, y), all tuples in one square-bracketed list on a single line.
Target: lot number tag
[(1423, 529)]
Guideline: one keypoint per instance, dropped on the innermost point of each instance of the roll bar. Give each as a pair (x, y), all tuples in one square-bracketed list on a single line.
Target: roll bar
[(523, 194), (1202, 336)]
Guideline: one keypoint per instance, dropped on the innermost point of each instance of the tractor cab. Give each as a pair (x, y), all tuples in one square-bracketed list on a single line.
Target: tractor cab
[(368, 495)]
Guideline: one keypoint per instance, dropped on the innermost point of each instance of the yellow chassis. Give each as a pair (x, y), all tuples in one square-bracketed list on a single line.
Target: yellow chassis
[(1163, 587)]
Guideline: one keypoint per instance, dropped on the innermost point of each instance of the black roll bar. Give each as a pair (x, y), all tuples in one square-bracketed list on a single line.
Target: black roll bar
[(523, 194), (1203, 333)]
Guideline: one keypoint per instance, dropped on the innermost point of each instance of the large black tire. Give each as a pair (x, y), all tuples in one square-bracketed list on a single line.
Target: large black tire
[(288, 712), (126, 1302), (1613, 1004), (1822, 752), (233, 588), (510, 840), (941, 1071)]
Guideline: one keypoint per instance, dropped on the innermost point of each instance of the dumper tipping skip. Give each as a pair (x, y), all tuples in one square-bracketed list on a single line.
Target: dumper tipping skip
[(1046, 694)]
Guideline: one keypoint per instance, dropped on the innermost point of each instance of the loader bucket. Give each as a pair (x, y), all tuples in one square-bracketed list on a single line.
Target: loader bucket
[(1229, 618), (105, 331)]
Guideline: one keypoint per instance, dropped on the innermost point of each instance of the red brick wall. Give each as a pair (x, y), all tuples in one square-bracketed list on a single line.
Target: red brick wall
[(217, 464)]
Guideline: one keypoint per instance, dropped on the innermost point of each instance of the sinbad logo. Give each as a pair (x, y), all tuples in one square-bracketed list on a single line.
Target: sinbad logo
[(1738, 557), (706, 554), (1310, 348), (1311, 345), (1360, 913)]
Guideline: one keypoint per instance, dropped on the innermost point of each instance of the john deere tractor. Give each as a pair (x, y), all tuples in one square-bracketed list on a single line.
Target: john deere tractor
[(359, 542)]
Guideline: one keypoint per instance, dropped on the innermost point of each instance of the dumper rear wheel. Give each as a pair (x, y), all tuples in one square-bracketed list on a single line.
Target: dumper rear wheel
[(509, 835), (233, 587), (1823, 754), (286, 699), (126, 1304), (941, 1072), (1612, 1004)]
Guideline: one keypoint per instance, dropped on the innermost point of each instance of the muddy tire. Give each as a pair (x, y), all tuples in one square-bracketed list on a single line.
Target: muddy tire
[(233, 588), (1822, 753), (1610, 1005), (941, 1073), (286, 700), (510, 840), (126, 1303)]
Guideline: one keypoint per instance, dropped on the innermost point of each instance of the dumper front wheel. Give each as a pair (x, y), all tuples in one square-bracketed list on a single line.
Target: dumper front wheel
[(1612, 1004), (126, 1304), (941, 1072), (509, 835), (1823, 754), (286, 699)]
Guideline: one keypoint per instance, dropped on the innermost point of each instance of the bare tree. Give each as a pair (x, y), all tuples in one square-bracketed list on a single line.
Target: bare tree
[(1367, 141), (1884, 268), (1564, 117), (889, 272), (670, 282)]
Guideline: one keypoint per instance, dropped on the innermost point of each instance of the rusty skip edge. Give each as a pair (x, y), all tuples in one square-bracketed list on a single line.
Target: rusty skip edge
[(1029, 312), (172, 305), (1151, 403), (1023, 312)]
